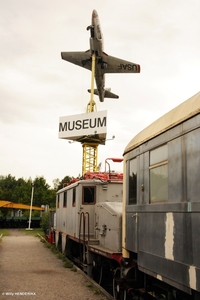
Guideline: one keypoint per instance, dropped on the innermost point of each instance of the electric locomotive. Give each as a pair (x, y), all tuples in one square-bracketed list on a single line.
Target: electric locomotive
[(88, 223)]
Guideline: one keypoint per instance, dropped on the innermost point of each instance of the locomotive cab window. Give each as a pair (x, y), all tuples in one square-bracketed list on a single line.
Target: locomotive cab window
[(132, 187), (89, 194), (74, 197), (158, 175), (58, 200), (65, 200)]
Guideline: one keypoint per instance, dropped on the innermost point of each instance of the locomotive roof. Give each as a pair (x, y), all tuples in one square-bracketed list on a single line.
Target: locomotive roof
[(182, 112), (92, 182)]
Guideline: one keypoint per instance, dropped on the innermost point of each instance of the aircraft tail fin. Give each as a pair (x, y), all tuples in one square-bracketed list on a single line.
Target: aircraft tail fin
[(107, 93)]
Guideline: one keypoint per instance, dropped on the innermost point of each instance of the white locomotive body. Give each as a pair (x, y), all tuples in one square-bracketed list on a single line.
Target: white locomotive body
[(88, 223)]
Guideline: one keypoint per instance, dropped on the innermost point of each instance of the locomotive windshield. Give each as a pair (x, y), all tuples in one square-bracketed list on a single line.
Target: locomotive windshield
[(89, 194)]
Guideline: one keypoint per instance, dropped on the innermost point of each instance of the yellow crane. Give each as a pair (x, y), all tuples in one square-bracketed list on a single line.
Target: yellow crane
[(90, 147)]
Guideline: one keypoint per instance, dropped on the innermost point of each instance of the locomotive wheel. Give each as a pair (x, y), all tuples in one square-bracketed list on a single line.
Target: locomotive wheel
[(118, 292)]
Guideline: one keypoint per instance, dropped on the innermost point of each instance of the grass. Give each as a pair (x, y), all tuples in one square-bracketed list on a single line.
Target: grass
[(66, 262), (34, 231), (4, 232), (95, 290)]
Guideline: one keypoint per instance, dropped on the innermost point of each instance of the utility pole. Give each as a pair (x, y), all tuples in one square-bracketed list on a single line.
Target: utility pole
[(32, 191)]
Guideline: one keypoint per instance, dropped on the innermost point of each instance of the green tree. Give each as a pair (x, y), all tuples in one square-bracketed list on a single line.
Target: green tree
[(7, 185), (40, 191), (19, 190), (56, 183), (51, 198), (22, 191), (66, 179), (43, 194)]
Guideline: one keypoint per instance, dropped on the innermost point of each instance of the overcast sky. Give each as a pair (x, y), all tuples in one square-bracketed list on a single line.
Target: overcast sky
[(37, 86)]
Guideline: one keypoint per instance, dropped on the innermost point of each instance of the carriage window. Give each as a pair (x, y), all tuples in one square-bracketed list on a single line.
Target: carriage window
[(132, 182), (158, 175), (74, 198), (89, 194), (58, 200), (65, 200)]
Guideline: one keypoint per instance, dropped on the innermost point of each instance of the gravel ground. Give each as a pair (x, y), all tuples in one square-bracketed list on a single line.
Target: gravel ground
[(29, 270)]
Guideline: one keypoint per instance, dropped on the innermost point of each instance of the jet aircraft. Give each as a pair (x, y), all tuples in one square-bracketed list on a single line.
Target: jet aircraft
[(104, 63)]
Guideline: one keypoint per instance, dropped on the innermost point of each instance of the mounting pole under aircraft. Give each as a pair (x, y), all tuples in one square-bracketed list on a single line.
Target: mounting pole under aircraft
[(90, 149), (92, 105)]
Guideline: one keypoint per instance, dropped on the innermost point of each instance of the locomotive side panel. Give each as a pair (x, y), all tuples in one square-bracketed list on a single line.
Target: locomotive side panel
[(108, 225), (74, 201), (111, 192), (66, 209), (58, 211), (76, 211)]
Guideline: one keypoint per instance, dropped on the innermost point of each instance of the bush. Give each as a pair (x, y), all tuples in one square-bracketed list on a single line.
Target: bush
[(45, 222)]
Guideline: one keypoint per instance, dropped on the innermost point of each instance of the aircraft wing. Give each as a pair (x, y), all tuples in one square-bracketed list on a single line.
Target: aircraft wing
[(110, 64), (117, 65), (81, 59)]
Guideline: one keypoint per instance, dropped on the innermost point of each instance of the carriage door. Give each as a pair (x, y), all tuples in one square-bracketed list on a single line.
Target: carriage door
[(88, 207), (131, 205)]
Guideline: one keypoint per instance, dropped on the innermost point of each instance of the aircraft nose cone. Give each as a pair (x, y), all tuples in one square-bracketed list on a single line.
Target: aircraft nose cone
[(94, 14)]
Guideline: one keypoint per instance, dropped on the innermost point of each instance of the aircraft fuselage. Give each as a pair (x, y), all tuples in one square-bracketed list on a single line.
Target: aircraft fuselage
[(104, 63), (96, 39), (96, 47)]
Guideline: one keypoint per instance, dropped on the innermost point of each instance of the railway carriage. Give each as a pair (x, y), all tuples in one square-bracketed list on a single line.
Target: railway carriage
[(161, 206)]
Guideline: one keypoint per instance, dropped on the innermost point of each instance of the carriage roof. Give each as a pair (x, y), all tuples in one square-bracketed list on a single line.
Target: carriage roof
[(182, 112)]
